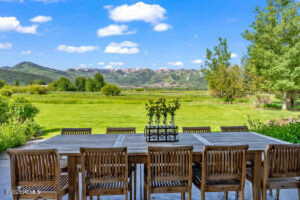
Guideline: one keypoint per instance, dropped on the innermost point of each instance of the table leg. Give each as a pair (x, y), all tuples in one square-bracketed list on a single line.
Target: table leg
[(72, 172), (257, 176)]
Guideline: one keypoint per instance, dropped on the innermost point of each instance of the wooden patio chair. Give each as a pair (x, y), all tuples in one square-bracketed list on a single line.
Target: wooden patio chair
[(281, 168), (120, 130), (223, 169), (76, 131), (234, 129), (203, 129), (169, 170), (36, 174), (105, 172)]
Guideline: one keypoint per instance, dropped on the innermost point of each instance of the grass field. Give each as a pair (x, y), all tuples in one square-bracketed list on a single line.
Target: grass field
[(58, 110)]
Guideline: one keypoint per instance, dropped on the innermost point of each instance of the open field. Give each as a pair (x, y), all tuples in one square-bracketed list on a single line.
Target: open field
[(73, 109)]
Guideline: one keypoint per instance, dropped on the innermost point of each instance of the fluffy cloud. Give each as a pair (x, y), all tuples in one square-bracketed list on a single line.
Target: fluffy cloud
[(27, 52), (13, 24), (41, 19), (126, 47), (114, 29), (112, 65), (197, 61), (140, 11), (76, 49), (234, 55), (161, 27), (100, 63), (6, 45), (176, 63)]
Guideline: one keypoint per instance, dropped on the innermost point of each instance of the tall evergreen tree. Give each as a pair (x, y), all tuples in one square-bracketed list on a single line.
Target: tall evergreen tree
[(274, 52)]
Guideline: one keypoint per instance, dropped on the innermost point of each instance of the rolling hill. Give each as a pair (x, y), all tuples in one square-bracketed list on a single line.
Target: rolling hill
[(163, 78), (24, 78)]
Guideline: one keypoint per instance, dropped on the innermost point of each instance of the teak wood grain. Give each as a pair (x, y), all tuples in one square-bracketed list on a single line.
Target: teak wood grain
[(137, 148)]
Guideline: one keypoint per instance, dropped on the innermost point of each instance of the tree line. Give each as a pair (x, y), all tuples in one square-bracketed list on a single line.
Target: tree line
[(272, 63)]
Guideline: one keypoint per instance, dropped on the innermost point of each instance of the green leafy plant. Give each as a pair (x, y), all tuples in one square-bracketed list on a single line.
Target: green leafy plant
[(21, 110), (6, 92), (111, 90)]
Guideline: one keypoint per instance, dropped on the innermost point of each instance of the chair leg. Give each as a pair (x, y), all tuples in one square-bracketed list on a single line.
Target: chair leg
[(98, 197), (15, 197), (271, 192), (237, 195), (190, 195), (126, 196), (226, 195), (202, 195), (182, 196), (298, 193), (277, 194), (264, 194), (148, 196), (241, 195)]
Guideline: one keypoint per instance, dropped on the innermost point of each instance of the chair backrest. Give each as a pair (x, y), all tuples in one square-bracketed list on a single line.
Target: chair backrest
[(120, 130), (170, 163), (234, 129), (224, 163), (282, 160), (34, 167), (105, 164), (76, 131), (203, 129)]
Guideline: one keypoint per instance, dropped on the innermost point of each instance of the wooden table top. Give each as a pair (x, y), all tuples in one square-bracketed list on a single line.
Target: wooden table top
[(136, 143)]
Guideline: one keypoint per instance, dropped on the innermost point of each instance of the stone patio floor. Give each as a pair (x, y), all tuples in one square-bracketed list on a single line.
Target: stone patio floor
[(5, 193)]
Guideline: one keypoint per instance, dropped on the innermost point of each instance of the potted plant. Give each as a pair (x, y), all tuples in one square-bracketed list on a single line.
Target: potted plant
[(173, 106)]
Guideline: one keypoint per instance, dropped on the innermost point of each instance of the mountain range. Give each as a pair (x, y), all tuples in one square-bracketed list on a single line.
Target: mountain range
[(26, 72)]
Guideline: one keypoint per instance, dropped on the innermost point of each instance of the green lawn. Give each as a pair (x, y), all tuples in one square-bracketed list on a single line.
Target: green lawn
[(58, 110)]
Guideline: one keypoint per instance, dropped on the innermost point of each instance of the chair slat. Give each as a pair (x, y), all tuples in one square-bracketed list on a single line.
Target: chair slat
[(234, 129), (120, 130), (203, 129), (76, 131)]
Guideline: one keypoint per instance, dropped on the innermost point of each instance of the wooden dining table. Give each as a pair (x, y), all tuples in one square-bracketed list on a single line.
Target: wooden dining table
[(137, 147)]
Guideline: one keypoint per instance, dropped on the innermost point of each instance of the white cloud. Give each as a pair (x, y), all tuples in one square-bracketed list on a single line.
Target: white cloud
[(161, 27), (6, 45), (27, 52), (76, 49), (114, 29), (176, 63), (100, 63), (197, 61), (112, 65), (41, 19), (234, 55), (140, 11), (126, 47), (13, 24)]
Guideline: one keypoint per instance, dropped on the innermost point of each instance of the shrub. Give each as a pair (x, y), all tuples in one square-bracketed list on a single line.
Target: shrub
[(62, 84), (3, 110), (6, 92), (288, 132), (12, 134), (37, 89), (2, 83), (80, 83), (21, 110), (111, 90)]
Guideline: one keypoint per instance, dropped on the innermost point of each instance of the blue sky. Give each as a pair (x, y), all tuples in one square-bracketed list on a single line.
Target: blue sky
[(117, 33)]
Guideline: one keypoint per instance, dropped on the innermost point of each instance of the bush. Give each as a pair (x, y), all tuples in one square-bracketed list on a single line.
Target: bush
[(288, 132), (2, 83), (12, 134), (37, 89), (3, 110), (6, 92), (62, 84), (111, 90), (21, 110)]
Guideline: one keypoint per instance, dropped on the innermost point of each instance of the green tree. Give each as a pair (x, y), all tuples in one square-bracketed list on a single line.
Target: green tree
[(90, 85), (80, 83), (274, 52), (38, 82), (111, 90), (99, 81), (2, 83), (16, 82), (62, 84)]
